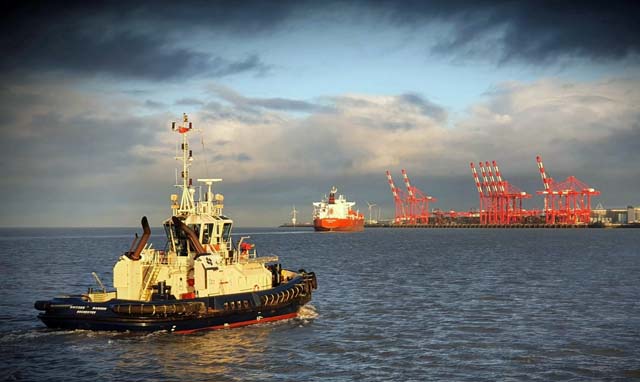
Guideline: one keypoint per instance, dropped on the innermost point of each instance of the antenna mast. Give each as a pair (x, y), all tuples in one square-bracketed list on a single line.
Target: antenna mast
[(187, 204)]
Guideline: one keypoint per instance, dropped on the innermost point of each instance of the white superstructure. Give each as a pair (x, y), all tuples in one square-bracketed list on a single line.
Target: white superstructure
[(199, 258), (333, 207)]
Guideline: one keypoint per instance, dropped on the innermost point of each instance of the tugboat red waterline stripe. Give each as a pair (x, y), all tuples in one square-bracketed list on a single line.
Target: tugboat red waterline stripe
[(200, 280), (240, 324), (335, 214)]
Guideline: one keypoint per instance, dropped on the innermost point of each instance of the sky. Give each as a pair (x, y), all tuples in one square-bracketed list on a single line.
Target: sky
[(290, 98)]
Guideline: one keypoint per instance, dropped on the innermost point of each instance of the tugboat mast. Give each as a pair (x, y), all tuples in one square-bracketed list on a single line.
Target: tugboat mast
[(187, 204), (212, 204)]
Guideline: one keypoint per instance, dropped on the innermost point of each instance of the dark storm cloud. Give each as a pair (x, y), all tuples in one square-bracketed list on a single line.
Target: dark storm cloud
[(151, 40), (79, 50), (532, 31), (118, 39)]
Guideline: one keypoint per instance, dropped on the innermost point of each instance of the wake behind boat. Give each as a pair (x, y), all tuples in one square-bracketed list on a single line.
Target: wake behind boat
[(200, 280)]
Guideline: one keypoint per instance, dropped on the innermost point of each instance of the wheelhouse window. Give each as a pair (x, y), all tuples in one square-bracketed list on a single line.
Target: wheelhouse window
[(196, 229), (180, 239), (226, 232), (167, 231), (207, 232)]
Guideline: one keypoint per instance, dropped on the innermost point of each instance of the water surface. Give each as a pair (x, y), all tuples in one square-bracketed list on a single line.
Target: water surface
[(392, 305)]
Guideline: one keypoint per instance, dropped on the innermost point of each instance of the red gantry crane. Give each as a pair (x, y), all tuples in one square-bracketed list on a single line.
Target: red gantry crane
[(490, 208), (398, 199), (500, 201), (418, 202), (412, 208), (567, 202), (511, 197), (482, 197)]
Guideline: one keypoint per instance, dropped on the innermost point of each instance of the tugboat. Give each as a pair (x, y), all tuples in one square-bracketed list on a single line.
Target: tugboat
[(201, 280), (335, 214)]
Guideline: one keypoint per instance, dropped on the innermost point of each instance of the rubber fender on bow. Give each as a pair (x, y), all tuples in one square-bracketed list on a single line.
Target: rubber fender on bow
[(314, 280)]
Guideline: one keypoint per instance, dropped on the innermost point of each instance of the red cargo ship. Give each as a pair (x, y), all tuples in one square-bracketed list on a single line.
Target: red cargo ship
[(335, 214)]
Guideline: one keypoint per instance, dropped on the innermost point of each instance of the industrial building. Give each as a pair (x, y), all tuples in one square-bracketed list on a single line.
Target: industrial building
[(627, 215)]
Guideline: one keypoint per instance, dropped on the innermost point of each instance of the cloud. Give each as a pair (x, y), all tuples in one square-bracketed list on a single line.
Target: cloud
[(91, 153), (154, 104), (168, 41), (122, 54), (68, 154), (529, 31), (358, 134), (189, 102), (352, 134), (249, 103), (428, 108), (578, 128), (110, 39), (586, 129)]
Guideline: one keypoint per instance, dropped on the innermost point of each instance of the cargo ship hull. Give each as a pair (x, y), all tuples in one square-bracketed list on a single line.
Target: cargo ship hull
[(339, 225)]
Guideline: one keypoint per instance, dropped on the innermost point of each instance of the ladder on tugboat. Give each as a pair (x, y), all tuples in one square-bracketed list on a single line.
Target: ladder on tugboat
[(149, 279)]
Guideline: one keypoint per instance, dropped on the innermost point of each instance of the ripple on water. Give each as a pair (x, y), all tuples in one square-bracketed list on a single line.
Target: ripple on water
[(392, 305)]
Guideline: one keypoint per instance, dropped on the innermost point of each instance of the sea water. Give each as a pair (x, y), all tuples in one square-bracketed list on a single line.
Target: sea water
[(392, 305)]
